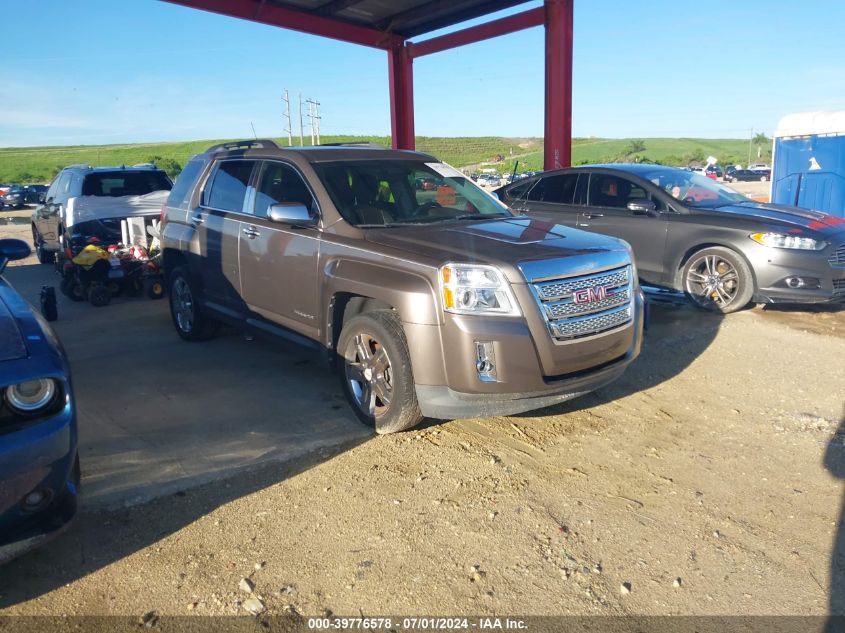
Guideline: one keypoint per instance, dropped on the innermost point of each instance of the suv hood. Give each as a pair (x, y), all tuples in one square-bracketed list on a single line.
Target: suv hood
[(504, 242), (783, 214), (11, 341)]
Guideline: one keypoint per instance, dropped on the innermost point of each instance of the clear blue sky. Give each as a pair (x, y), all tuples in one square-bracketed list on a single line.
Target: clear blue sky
[(108, 71)]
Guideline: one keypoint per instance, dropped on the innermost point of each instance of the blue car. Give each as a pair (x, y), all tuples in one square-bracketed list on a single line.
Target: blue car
[(39, 465)]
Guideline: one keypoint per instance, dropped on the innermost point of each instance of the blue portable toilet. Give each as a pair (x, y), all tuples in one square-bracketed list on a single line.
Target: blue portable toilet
[(808, 162)]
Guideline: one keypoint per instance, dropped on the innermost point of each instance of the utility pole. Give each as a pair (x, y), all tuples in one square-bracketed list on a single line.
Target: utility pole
[(314, 118), (301, 141), (288, 129)]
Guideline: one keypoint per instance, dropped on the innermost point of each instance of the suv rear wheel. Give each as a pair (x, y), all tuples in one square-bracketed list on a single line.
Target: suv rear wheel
[(192, 324), (376, 374)]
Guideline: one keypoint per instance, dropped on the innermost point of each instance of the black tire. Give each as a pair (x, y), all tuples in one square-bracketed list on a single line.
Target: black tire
[(44, 257), (71, 288), (99, 296), (718, 279), (49, 307), (189, 319), (382, 393), (763, 178), (156, 289)]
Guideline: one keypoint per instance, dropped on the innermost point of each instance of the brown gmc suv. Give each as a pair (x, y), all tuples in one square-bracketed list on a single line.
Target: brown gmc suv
[(431, 301)]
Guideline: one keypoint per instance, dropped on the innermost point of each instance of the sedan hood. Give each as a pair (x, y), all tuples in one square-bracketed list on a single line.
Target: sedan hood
[(500, 242), (11, 341), (785, 215)]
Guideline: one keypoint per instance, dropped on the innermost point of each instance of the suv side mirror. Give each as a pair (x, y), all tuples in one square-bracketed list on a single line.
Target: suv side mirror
[(11, 249), (292, 213), (642, 207)]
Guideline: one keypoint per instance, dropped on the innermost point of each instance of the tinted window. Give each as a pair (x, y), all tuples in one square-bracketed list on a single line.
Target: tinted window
[(613, 191), (559, 189), (280, 183), (227, 189), (125, 183), (184, 183)]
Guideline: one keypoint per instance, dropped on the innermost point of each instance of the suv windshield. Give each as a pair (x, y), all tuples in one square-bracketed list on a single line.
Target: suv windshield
[(693, 189), (125, 183), (396, 192)]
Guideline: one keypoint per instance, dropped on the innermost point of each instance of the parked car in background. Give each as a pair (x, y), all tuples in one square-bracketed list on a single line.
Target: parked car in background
[(747, 175), (39, 466), (335, 248), (695, 235), (714, 171), (35, 194), (84, 180), (14, 198)]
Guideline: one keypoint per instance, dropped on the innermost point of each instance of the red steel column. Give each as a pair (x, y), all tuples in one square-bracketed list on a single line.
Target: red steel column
[(401, 69), (558, 128)]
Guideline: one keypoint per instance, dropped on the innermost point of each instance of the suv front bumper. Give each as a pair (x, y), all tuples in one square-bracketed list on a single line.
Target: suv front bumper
[(528, 387)]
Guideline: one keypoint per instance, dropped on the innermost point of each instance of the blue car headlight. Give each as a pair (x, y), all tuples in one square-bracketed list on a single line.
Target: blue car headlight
[(31, 397)]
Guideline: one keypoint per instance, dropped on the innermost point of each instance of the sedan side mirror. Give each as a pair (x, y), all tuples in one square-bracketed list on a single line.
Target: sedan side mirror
[(642, 207), (291, 213), (11, 249)]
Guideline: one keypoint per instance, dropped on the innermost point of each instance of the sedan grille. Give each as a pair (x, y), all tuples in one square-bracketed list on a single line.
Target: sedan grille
[(839, 287), (837, 258), (575, 307)]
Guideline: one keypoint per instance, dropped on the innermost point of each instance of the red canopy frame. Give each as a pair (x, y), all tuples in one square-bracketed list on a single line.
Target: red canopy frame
[(555, 15)]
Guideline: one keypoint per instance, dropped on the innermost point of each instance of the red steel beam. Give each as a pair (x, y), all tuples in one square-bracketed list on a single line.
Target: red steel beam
[(502, 26), (401, 70), (558, 127), (258, 11)]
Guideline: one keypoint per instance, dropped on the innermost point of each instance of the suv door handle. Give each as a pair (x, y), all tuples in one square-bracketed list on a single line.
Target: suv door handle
[(251, 232), (197, 218)]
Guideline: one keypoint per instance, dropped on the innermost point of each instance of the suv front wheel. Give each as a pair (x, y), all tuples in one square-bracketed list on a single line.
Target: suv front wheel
[(192, 324), (376, 373)]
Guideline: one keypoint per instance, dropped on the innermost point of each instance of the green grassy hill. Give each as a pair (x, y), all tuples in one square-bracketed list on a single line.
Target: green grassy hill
[(40, 164)]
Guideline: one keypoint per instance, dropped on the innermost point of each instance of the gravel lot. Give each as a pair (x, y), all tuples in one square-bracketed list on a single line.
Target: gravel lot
[(705, 481)]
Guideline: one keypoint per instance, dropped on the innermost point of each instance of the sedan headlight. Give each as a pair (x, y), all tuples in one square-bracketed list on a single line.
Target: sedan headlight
[(32, 396), (780, 240), (476, 289)]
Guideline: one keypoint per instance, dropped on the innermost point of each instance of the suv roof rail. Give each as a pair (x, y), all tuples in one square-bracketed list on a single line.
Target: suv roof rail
[(146, 165), (79, 166), (258, 143), (354, 144)]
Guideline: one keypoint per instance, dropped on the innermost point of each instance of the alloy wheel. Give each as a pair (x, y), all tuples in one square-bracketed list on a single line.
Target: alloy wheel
[(368, 373), (712, 281), (183, 305)]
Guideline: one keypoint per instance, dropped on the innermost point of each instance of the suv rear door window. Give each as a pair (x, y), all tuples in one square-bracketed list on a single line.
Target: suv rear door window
[(281, 183), (125, 183), (184, 183), (227, 188)]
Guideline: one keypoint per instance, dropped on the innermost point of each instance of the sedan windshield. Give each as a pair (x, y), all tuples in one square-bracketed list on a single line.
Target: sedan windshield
[(693, 189), (382, 193)]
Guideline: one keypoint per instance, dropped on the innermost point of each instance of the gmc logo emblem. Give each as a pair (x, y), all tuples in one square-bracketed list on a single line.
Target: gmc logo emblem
[(588, 295)]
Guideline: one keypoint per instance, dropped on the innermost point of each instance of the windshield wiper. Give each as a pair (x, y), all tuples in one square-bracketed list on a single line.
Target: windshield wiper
[(480, 216)]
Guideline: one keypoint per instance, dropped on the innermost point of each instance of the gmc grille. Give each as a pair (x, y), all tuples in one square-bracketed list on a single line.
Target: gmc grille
[(576, 307)]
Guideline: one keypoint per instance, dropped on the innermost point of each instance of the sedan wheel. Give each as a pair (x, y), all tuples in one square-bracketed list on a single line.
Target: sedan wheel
[(718, 279)]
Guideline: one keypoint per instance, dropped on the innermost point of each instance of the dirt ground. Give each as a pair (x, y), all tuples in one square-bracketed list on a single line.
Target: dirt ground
[(705, 481)]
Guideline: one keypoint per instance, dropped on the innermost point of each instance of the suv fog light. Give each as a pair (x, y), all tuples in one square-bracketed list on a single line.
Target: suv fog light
[(485, 361)]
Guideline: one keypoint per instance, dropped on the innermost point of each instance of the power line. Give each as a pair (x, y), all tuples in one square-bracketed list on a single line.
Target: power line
[(288, 128)]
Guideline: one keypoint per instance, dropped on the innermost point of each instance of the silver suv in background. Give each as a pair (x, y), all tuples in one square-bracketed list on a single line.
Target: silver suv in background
[(85, 180), (434, 302)]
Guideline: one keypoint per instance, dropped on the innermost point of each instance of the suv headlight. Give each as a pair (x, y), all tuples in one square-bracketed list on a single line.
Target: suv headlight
[(476, 289), (30, 397), (780, 240)]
